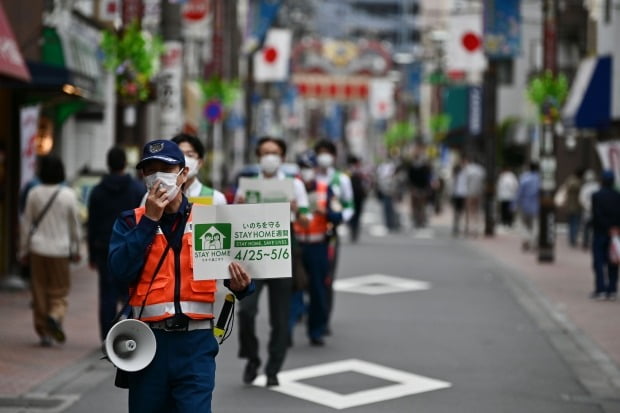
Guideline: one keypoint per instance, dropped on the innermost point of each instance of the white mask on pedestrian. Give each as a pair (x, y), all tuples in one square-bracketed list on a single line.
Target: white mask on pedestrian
[(270, 163), (307, 174), (192, 164), (325, 160), (168, 180)]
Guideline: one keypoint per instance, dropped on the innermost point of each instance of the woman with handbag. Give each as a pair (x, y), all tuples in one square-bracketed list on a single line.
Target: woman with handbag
[(50, 239)]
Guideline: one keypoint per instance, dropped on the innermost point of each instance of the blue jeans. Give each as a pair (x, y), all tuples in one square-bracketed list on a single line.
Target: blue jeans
[(317, 266), (180, 378), (605, 273)]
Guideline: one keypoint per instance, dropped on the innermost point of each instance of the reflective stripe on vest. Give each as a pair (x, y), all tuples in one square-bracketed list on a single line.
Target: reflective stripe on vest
[(188, 308), (196, 296), (317, 227)]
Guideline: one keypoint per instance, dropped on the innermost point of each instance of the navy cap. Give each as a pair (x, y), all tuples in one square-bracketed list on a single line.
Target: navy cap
[(162, 150), (608, 176)]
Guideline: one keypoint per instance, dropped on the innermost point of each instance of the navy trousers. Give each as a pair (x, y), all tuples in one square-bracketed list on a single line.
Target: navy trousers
[(181, 377), (605, 273)]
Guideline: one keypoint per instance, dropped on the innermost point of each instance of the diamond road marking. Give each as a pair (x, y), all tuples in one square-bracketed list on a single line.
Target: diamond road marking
[(406, 384), (375, 284)]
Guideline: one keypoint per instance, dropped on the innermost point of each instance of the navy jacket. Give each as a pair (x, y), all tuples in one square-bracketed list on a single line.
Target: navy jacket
[(605, 209), (113, 195)]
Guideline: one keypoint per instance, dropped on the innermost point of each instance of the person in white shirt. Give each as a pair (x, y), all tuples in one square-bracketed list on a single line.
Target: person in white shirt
[(474, 175), (507, 187), (194, 153), (50, 238), (270, 153)]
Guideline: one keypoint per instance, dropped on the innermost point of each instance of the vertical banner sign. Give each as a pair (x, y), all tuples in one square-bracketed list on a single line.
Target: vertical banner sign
[(609, 154), (169, 89), (475, 110), (502, 28), (29, 121), (257, 236), (381, 96)]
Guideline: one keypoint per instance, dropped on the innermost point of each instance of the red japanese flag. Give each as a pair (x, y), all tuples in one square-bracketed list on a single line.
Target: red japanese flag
[(464, 51), (271, 63)]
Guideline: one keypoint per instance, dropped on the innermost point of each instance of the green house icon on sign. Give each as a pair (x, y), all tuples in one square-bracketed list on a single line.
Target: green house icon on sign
[(212, 237)]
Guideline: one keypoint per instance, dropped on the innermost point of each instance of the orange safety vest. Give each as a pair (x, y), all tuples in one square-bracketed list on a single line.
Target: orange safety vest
[(317, 228), (196, 297)]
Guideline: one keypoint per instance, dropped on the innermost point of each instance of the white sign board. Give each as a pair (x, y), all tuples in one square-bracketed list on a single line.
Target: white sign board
[(29, 121), (255, 235), (260, 191)]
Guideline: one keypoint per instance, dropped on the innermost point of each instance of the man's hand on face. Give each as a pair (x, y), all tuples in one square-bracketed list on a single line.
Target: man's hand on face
[(156, 201)]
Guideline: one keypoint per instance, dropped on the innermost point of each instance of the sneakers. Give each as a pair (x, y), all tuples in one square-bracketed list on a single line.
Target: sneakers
[(597, 296), (46, 341), (251, 371), (272, 380), (317, 342), (612, 296), (55, 329)]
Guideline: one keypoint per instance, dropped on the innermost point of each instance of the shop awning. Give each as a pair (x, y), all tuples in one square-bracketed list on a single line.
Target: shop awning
[(11, 60), (589, 102)]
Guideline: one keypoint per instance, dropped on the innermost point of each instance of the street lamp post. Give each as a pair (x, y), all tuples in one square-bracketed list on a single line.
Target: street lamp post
[(546, 233)]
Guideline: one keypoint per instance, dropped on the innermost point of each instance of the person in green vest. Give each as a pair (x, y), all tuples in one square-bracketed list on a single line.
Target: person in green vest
[(340, 185), (194, 153)]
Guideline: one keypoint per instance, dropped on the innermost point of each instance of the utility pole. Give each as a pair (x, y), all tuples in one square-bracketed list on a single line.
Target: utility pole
[(546, 233), (169, 88), (489, 117)]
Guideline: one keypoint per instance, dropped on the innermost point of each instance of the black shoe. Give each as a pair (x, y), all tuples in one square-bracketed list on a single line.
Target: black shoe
[(272, 381), (56, 330), (251, 371), (317, 342), (289, 343)]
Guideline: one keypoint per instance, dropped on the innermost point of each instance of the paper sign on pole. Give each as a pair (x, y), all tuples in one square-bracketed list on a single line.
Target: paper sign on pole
[(255, 235), (259, 190)]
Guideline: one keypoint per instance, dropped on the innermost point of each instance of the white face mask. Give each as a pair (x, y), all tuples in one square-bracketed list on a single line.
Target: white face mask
[(167, 179), (307, 174), (269, 164), (325, 160), (192, 164)]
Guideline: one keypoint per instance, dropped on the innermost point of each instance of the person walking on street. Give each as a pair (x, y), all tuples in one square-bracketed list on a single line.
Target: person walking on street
[(589, 187), (528, 203), (151, 250), (459, 196), (342, 201), (50, 239), (312, 237), (605, 220), (360, 183), (386, 192), (507, 186), (117, 192), (194, 153), (271, 153), (419, 175), (573, 206), (474, 177)]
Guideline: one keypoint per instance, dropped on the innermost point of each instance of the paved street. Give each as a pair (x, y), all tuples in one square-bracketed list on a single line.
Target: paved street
[(423, 322)]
